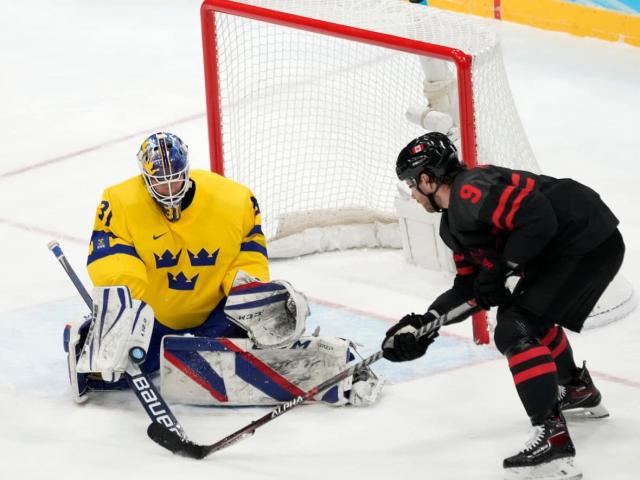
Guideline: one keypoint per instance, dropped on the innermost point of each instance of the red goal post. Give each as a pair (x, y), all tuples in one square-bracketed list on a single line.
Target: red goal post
[(461, 60), (483, 96)]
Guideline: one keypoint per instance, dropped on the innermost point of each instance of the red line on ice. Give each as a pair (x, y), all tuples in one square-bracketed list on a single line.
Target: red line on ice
[(108, 143)]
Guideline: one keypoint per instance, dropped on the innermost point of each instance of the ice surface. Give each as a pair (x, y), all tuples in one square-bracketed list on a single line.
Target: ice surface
[(81, 83)]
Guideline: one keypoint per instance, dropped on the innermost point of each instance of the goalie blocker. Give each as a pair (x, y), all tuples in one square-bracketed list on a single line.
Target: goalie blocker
[(98, 346)]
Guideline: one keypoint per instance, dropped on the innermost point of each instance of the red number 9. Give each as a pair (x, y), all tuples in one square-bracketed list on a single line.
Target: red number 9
[(469, 192)]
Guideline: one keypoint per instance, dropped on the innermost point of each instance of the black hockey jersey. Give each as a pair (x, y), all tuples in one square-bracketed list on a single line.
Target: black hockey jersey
[(521, 217)]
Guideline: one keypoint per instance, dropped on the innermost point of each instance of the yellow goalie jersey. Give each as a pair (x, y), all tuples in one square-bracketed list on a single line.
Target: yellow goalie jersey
[(182, 269)]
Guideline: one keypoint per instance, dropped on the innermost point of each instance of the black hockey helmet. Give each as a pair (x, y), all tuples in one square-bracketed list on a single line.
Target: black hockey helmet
[(432, 153)]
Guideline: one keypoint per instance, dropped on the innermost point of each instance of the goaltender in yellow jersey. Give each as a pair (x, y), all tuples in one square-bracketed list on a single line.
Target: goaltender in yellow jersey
[(183, 269), (166, 244), (181, 275)]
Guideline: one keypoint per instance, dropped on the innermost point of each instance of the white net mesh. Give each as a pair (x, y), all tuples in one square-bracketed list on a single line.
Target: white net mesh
[(312, 122)]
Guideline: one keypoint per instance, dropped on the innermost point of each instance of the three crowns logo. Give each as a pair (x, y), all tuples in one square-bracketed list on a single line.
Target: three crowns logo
[(203, 258), (167, 259), (181, 282), (200, 259)]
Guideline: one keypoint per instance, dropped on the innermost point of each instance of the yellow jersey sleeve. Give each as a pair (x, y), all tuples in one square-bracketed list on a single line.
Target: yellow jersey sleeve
[(113, 259), (252, 257)]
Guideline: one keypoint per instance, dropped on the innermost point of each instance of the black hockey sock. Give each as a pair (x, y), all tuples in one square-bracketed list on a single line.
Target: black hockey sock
[(558, 343), (534, 374)]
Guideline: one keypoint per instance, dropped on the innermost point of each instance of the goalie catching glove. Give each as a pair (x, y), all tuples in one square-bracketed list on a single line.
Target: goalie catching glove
[(401, 342), (272, 313), (119, 323)]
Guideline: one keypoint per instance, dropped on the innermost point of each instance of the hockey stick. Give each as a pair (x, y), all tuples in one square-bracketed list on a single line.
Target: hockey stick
[(138, 381), (57, 251), (175, 444)]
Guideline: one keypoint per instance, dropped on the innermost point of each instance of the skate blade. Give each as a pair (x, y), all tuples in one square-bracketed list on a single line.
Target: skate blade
[(599, 411), (560, 469)]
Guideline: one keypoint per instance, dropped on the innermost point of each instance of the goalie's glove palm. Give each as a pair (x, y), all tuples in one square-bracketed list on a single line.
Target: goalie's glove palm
[(401, 343)]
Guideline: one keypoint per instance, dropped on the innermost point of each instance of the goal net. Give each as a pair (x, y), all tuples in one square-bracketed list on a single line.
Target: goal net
[(307, 101), (307, 104)]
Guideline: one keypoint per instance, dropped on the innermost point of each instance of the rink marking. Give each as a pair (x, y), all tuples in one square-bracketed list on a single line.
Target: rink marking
[(437, 364), (379, 316), (366, 329), (43, 231), (615, 379), (108, 143), (473, 362)]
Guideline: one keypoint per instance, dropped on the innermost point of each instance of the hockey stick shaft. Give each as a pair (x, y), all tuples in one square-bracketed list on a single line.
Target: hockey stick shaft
[(173, 443), (190, 449), (152, 402), (140, 384), (291, 404), (463, 309), (57, 251)]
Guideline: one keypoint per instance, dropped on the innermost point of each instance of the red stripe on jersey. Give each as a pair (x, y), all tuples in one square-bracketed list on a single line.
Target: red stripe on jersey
[(465, 270), (504, 198), (560, 348), (458, 257), (548, 338), (528, 355), (516, 203), (534, 372)]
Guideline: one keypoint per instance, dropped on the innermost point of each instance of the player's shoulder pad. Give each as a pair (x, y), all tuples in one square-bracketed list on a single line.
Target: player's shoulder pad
[(212, 181), (123, 201), (477, 193), (223, 190), (471, 188), (130, 192)]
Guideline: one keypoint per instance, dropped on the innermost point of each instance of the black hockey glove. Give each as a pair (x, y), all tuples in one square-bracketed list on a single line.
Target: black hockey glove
[(489, 287), (401, 344)]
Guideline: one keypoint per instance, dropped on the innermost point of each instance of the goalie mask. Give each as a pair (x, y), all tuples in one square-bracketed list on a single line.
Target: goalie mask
[(164, 163)]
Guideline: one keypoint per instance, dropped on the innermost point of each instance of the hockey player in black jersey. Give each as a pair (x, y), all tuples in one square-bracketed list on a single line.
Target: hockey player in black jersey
[(563, 242)]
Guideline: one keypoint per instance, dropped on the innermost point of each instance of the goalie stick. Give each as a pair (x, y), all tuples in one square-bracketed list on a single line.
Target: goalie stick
[(145, 391), (181, 446)]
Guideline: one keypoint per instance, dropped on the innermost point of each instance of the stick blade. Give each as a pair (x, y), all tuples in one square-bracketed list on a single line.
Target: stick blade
[(174, 443)]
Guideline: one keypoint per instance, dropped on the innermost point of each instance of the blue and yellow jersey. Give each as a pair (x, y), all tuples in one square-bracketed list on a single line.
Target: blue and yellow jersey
[(182, 269)]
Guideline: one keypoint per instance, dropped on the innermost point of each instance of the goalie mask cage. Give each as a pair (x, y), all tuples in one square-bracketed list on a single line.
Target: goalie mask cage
[(306, 101)]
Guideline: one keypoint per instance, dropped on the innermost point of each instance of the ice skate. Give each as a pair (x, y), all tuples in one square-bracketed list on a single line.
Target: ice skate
[(581, 397), (548, 454)]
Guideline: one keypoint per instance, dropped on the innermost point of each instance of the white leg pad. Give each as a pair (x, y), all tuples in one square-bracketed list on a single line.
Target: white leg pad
[(222, 371)]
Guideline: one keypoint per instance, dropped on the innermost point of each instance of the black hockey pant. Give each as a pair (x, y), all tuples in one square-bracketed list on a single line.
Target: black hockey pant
[(553, 294)]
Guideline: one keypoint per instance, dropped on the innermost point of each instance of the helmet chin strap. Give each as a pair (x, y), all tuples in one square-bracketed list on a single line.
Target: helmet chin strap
[(431, 197)]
